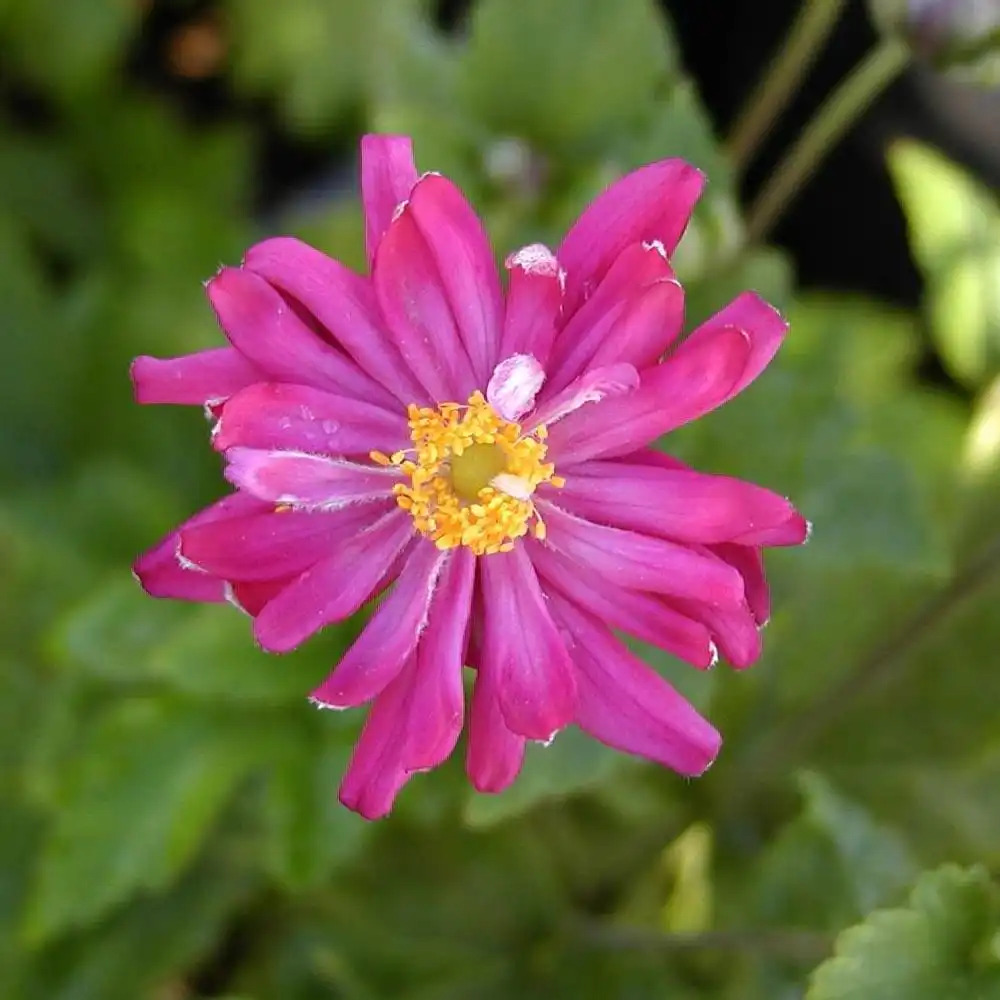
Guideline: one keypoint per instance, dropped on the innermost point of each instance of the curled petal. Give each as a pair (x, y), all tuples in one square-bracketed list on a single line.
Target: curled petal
[(749, 561), (416, 721), (269, 544), (523, 650), (388, 174), (534, 299), (263, 327), (161, 575), (299, 418), (734, 629), (513, 386), (460, 248), (376, 772), (305, 480), (694, 380), (415, 305), (342, 303), (193, 379), (495, 754), (641, 562), (389, 638), (335, 587), (591, 387), (622, 309), (651, 204), (643, 615), (763, 325), (683, 505), (627, 705), (250, 596)]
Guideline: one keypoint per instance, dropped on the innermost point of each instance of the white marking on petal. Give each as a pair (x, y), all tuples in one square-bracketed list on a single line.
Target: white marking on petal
[(231, 598), (657, 246), (513, 486), (514, 384), (715, 655), (591, 387), (536, 258), (185, 563)]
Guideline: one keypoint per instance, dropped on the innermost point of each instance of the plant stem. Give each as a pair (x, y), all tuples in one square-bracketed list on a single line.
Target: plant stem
[(802, 44), (881, 666), (840, 110)]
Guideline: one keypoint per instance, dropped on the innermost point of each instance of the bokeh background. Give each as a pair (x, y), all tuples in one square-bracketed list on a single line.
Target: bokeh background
[(169, 828)]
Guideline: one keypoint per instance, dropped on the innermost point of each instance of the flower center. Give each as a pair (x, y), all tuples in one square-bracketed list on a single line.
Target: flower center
[(472, 476)]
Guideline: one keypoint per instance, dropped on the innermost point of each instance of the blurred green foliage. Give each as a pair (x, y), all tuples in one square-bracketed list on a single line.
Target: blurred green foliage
[(169, 823)]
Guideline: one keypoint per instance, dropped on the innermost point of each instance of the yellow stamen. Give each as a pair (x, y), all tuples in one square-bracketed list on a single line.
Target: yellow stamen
[(461, 458)]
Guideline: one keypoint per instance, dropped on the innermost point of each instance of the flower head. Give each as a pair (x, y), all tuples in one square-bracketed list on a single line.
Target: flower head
[(481, 459)]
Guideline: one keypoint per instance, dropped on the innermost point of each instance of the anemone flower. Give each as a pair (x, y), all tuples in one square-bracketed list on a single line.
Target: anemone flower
[(480, 460)]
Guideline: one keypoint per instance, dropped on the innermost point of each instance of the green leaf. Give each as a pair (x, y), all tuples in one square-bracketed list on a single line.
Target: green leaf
[(70, 47), (309, 833), (122, 634), (955, 233), (573, 763), (136, 806), (313, 55), (874, 860), (826, 868), (564, 73), (148, 946), (942, 945)]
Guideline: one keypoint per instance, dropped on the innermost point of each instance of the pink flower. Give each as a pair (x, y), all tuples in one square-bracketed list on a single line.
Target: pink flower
[(482, 460)]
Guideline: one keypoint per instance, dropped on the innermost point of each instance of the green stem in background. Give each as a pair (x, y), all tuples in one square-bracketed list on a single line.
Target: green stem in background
[(840, 110), (879, 667), (801, 46)]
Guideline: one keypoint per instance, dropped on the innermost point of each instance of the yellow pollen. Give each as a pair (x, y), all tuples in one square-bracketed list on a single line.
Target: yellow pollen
[(463, 460)]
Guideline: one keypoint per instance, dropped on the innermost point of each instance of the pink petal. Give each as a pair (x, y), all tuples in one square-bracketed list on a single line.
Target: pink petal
[(761, 322), (647, 327), (271, 545), (591, 387), (343, 303), (749, 562), (637, 269), (263, 327), (513, 386), (414, 303), (437, 706), (389, 638), (460, 248), (416, 721), (640, 562), (158, 570), (250, 596), (376, 772), (625, 704), (388, 174), (299, 418), (694, 380), (301, 479), (650, 204), (646, 617), (192, 379), (335, 587), (534, 298), (523, 649), (495, 754), (733, 627), (682, 505)]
